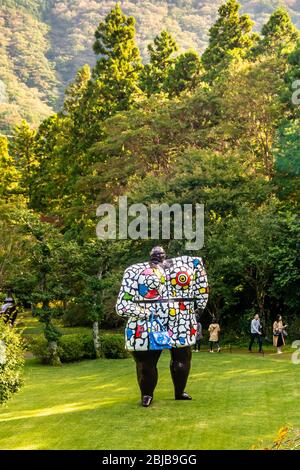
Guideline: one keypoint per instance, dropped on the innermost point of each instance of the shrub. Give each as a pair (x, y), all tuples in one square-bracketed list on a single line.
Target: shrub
[(112, 347), (39, 348), (71, 348), (294, 329), (78, 346), (76, 315), (11, 362)]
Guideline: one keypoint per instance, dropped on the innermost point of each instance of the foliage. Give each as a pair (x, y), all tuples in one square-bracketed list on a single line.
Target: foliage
[(11, 362), (73, 347), (114, 84), (76, 315), (225, 136), (184, 75), (9, 175), (44, 43), (112, 347), (279, 35), (288, 151), (78, 346), (287, 438), (230, 37), (22, 149), (155, 73)]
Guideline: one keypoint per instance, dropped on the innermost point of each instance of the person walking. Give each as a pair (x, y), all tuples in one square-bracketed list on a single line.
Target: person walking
[(278, 334), (214, 331), (199, 336), (256, 333)]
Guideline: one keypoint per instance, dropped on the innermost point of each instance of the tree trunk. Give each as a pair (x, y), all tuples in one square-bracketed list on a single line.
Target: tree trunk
[(54, 357), (96, 339)]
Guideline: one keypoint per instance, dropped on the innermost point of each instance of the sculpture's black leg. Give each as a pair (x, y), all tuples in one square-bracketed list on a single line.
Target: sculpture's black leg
[(146, 369), (180, 367)]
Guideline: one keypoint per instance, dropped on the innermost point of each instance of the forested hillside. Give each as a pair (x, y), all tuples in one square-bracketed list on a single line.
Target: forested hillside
[(43, 43)]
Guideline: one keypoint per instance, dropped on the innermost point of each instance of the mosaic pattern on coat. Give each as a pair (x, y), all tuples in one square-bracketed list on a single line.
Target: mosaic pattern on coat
[(173, 281)]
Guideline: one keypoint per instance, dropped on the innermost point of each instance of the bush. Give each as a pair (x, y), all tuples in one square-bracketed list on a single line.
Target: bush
[(76, 315), (78, 346), (11, 362), (112, 347), (71, 348), (294, 329), (39, 348)]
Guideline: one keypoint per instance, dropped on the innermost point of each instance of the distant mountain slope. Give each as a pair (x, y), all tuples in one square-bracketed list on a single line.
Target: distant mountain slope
[(43, 43)]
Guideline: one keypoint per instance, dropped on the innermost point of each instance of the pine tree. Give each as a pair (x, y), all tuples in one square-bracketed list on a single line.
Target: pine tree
[(161, 54), (114, 83), (278, 35), (185, 75), (9, 176), (23, 147), (120, 62), (76, 90), (231, 36)]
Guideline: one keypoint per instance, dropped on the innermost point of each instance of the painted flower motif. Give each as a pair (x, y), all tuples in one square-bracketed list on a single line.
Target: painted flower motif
[(149, 283), (183, 279)]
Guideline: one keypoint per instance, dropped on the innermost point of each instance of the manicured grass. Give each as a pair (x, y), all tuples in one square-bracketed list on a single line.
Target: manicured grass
[(238, 400), (31, 326)]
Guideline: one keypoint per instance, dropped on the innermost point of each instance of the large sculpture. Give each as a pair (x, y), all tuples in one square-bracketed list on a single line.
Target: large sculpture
[(160, 294)]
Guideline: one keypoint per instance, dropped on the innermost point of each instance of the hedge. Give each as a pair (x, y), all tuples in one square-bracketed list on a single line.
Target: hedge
[(78, 346)]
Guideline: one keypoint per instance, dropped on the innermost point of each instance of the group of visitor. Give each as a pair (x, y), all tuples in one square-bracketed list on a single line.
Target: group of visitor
[(279, 334)]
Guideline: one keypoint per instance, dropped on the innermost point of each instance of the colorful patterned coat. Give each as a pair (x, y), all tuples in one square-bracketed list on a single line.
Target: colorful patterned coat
[(170, 291)]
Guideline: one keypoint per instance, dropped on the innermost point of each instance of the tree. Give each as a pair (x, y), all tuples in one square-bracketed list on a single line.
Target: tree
[(251, 109), (230, 37), (114, 83), (287, 150), (279, 35), (287, 161), (185, 74), (76, 90), (162, 58), (9, 176), (12, 252), (22, 149), (44, 240), (285, 255), (291, 95), (56, 158), (241, 254)]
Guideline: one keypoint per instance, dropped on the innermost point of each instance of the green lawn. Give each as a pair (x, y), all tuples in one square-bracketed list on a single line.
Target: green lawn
[(238, 400), (31, 326)]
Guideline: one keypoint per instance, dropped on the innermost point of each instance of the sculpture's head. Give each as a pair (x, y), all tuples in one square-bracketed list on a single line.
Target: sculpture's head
[(157, 255)]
